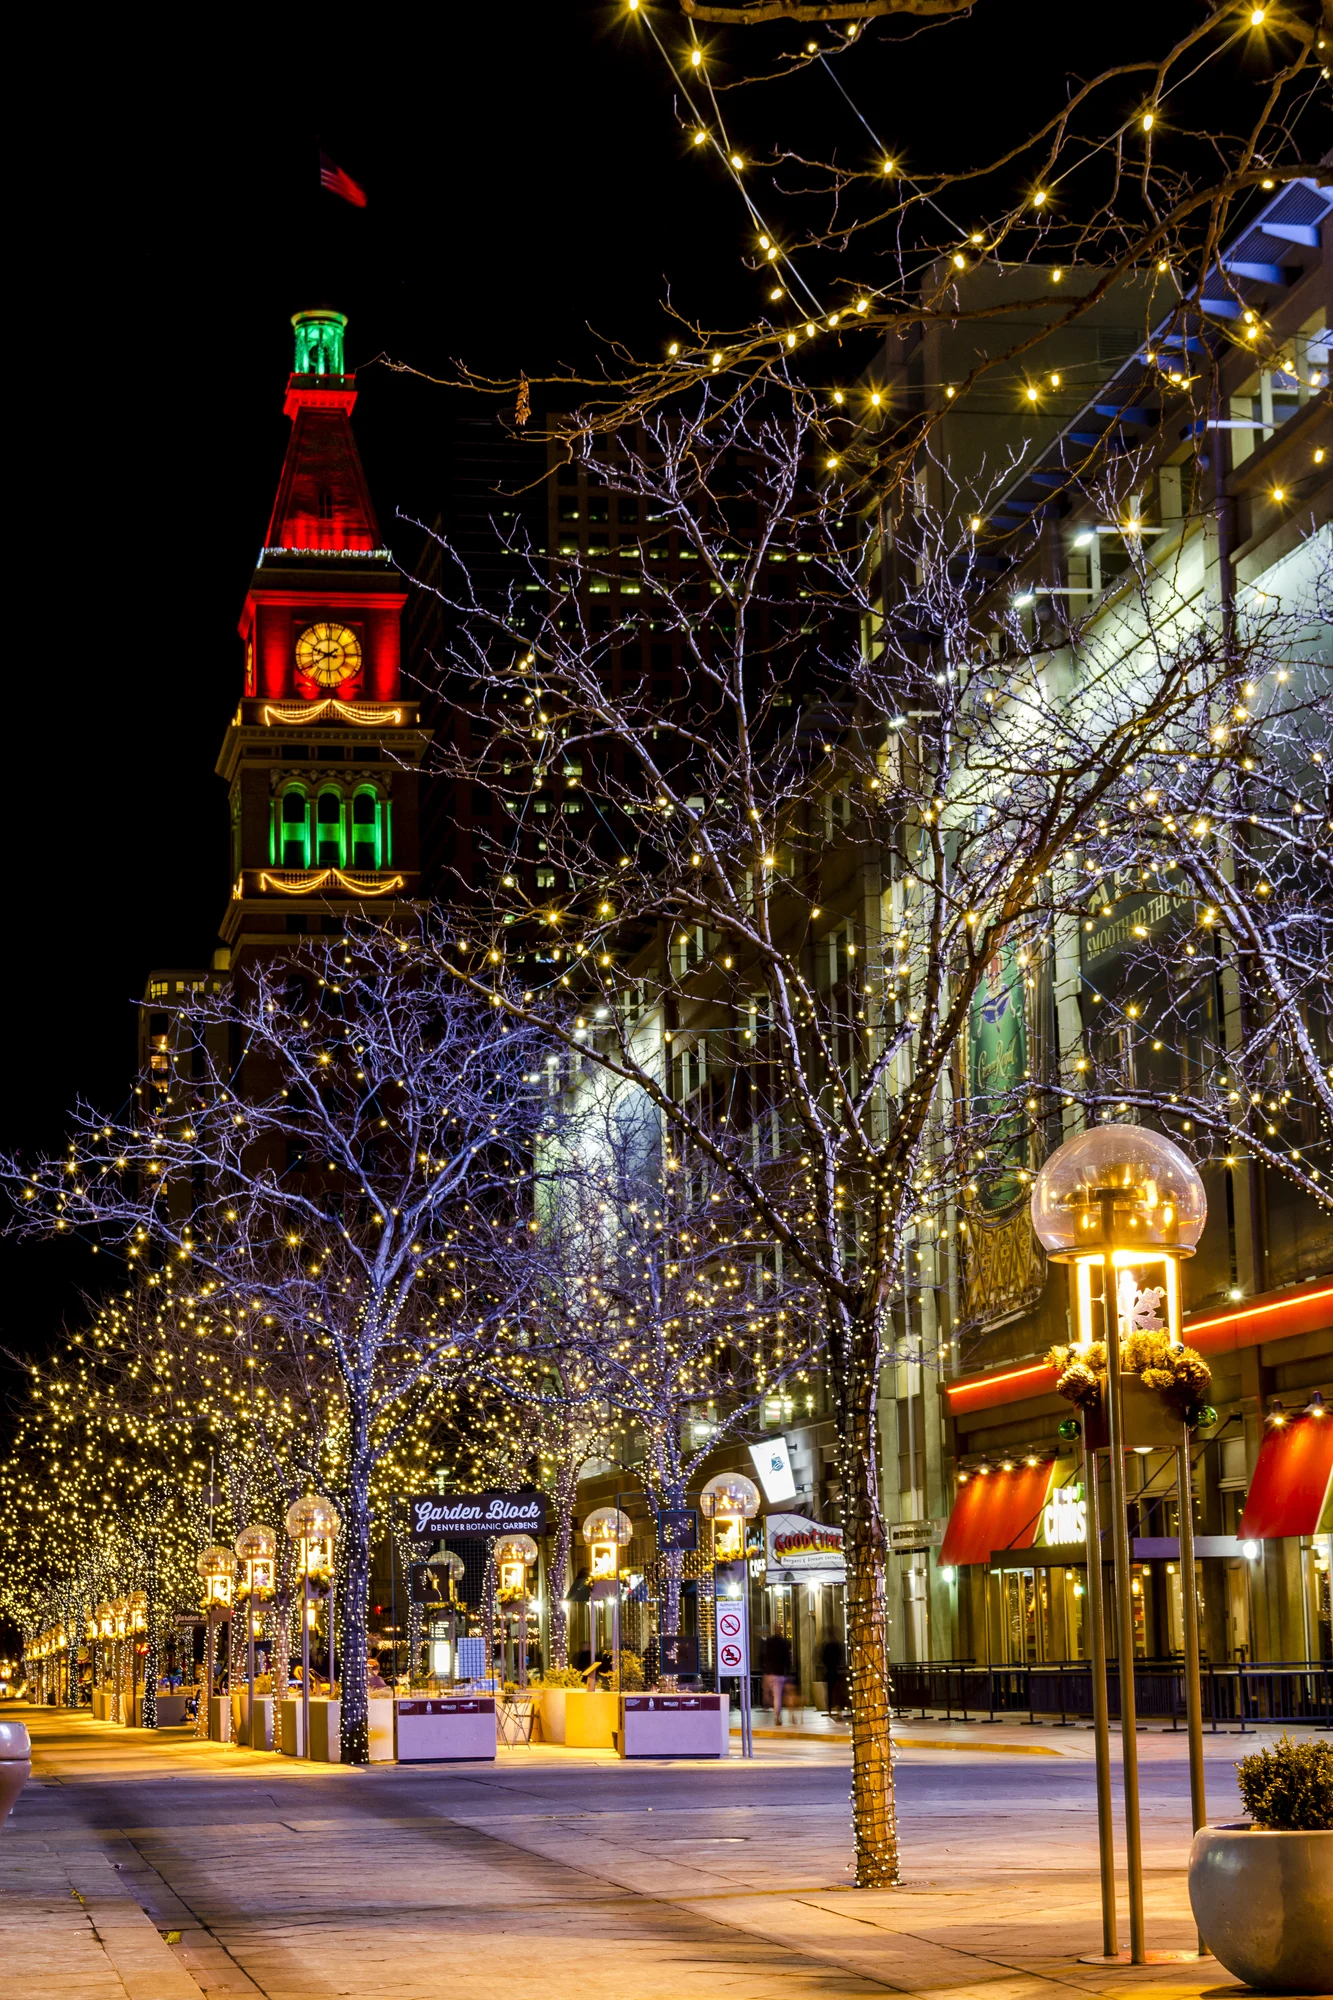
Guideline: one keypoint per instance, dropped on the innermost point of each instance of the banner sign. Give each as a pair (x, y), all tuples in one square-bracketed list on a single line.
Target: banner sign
[(477, 1514), (678, 1528), (772, 1461), (678, 1656), (795, 1543), (909, 1537)]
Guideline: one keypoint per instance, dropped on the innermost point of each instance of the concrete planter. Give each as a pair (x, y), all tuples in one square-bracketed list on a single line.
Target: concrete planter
[(15, 1764), (446, 1729), (1264, 1905), (674, 1725), (260, 1737), (578, 1719)]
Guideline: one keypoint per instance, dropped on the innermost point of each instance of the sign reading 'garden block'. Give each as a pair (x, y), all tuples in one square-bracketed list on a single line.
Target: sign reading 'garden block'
[(478, 1514)]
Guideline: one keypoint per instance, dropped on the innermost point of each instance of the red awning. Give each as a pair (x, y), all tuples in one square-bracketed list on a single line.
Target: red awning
[(1290, 1488), (996, 1510)]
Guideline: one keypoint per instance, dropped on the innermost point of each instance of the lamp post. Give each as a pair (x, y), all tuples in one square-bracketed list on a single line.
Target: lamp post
[(729, 1500), (136, 1605), (106, 1625), (120, 1619), (1120, 1205), (606, 1531), (514, 1557), (312, 1523), (451, 1565), (217, 1573), (256, 1547)]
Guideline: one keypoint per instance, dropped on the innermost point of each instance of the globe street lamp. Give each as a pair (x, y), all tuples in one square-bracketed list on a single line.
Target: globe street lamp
[(606, 1531), (217, 1574), (313, 1524), (106, 1625), (514, 1557), (1121, 1206), (136, 1605), (729, 1500), (256, 1547)]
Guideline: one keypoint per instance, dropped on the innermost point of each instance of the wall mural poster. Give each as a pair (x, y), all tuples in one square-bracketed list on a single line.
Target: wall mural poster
[(997, 1055)]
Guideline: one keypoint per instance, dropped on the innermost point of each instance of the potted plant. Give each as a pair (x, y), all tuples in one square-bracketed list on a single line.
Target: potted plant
[(1262, 1891), (1164, 1384)]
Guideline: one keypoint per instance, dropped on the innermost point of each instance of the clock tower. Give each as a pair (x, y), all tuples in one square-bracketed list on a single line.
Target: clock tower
[(321, 759)]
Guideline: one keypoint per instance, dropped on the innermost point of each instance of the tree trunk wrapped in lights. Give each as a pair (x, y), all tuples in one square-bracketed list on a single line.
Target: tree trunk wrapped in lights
[(557, 1568)]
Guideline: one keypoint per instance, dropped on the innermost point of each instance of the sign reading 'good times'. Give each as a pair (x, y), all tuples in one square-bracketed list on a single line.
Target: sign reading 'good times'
[(478, 1514)]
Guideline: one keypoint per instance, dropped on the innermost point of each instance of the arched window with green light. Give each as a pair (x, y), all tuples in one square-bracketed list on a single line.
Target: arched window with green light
[(329, 830), (370, 844), (293, 829)]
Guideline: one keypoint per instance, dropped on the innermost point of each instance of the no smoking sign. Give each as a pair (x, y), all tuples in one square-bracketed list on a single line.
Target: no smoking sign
[(731, 1635)]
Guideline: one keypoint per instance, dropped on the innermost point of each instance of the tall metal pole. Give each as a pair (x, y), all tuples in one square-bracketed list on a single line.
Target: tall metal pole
[(615, 1634), (305, 1651), (250, 1657), (208, 1675), (1129, 1747), (747, 1717), (1189, 1607), (1101, 1724)]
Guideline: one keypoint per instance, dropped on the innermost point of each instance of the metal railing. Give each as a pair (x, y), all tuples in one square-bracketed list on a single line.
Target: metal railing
[(1237, 1696)]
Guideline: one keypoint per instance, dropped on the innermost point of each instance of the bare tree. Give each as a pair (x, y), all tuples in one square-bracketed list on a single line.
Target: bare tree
[(1125, 181), (676, 1309), (351, 1195), (1219, 1019), (805, 872)]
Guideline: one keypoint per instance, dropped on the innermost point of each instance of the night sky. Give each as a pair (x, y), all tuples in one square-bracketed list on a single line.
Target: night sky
[(526, 181)]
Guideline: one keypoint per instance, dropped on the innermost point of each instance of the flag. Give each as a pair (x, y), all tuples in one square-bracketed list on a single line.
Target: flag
[(337, 182)]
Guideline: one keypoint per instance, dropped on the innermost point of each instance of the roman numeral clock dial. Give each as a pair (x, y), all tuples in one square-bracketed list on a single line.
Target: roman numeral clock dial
[(328, 654)]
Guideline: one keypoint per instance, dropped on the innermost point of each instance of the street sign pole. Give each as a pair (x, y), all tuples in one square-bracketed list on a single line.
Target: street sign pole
[(733, 1650), (747, 1715)]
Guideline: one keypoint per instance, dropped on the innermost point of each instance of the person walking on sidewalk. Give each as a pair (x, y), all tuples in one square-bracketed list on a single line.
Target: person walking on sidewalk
[(775, 1667), (835, 1675)]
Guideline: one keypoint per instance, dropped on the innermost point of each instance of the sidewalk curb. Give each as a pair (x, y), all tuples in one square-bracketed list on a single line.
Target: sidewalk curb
[(908, 1742)]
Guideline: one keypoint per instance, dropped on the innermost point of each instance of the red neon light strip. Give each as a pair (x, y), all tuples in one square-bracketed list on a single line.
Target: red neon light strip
[(993, 1381), (1250, 1312)]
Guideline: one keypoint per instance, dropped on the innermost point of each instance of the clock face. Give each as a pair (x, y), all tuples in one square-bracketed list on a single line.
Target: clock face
[(328, 654)]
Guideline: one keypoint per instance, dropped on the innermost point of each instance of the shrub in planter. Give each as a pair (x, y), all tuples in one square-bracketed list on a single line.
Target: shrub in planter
[(629, 1679), (560, 1677), (1289, 1789), (1262, 1894)]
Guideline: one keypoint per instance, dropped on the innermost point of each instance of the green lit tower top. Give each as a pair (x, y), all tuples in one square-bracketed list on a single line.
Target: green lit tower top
[(319, 341)]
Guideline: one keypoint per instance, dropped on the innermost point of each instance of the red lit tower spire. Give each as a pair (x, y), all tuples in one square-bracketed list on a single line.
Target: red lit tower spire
[(321, 757)]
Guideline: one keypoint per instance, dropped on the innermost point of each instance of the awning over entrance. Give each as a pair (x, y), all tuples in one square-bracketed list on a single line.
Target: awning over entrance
[(1289, 1492), (996, 1510)]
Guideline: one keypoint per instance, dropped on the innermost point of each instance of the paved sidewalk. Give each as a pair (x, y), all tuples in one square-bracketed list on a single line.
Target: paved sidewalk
[(549, 1872), (71, 1929)]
